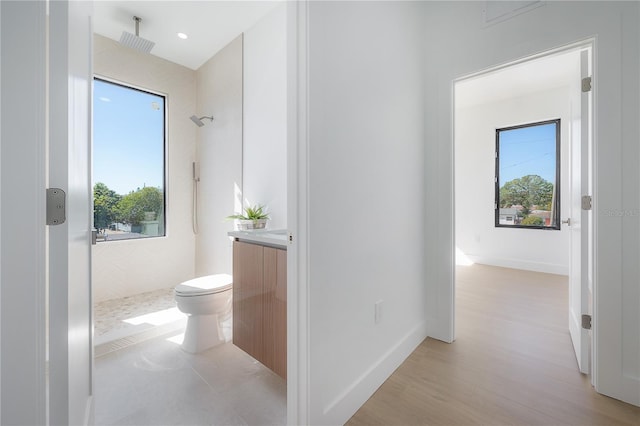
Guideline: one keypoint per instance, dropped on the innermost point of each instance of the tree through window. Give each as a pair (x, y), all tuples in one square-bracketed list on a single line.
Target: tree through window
[(527, 184)]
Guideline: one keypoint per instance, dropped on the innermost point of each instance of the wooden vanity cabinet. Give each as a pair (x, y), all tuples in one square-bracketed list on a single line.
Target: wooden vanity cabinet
[(248, 277), (260, 303)]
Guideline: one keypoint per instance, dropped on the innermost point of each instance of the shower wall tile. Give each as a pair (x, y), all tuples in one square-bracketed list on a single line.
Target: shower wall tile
[(219, 152)]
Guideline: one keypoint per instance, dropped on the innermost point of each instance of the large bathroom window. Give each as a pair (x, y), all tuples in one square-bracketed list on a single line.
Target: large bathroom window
[(129, 139), (527, 183)]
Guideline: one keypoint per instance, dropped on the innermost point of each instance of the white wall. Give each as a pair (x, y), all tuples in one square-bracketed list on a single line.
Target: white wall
[(219, 156), (470, 46), (365, 227), (265, 116), (476, 235), (123, 268)]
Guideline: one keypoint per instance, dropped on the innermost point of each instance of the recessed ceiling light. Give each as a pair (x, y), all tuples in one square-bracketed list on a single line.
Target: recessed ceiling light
[(183, 36)]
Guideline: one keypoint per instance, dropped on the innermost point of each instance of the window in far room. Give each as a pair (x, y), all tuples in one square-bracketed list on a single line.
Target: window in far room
[(527, 183), (128, 162)]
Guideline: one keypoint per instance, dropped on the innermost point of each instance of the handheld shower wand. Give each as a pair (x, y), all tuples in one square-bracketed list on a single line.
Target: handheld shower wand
[(196, 179)]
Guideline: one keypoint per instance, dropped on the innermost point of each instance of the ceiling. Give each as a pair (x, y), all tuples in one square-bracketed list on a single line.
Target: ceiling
[(519, 80), (210, 25)]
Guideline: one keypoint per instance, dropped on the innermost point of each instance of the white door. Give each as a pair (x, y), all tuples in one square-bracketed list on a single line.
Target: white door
[(580, 219), (70, 319), (22, 218)]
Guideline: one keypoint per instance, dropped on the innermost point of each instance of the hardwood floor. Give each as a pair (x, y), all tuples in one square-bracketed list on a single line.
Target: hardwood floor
[(512, 363)]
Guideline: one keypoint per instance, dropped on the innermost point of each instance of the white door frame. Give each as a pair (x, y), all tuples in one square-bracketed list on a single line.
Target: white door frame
[(298, 404), (28, 393), (70, 305), (584, 44)]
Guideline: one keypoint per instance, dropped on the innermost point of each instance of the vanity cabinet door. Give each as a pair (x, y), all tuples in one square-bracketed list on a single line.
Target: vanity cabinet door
[(248, 277), (275, 310)]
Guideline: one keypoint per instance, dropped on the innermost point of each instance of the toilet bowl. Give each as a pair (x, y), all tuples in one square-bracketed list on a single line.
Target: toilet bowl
[(206, 301)]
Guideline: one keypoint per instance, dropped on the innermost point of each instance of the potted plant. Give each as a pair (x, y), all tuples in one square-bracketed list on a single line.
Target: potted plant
[(254, 217)]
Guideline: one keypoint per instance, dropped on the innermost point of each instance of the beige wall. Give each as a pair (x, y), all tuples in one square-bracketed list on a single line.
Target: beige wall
[(265, 116), (219, 153), (123, 268)]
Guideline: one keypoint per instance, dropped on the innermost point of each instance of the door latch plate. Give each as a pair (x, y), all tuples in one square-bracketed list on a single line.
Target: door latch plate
[(56, 206), (586, 321)]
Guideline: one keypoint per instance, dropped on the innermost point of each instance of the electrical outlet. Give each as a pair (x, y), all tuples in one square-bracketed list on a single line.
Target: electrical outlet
[(377, 317)]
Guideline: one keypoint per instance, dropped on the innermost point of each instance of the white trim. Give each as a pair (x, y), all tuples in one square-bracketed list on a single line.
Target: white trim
[(589, 43), (298, 352), (0, 213), (89, 412), (360, 390), (503, 262), (576, 45)]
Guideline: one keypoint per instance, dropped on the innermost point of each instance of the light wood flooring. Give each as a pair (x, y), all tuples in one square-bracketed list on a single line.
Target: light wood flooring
[(512, 363)]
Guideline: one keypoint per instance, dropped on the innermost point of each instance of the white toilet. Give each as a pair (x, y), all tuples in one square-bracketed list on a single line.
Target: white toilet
[(207, 301)]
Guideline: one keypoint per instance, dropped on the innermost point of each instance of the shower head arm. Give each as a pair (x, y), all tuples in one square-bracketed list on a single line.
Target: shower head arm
[(198, 120), (138, 20)]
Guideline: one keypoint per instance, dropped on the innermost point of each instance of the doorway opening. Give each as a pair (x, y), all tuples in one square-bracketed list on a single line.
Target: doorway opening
[(544, 88)]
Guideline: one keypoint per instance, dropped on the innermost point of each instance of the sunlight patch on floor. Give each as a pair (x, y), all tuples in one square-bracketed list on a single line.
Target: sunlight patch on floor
[(165, 316), (462, 259), (177, 339)]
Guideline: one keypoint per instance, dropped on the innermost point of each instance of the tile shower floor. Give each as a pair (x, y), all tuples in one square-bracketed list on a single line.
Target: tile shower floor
[(143, 377)]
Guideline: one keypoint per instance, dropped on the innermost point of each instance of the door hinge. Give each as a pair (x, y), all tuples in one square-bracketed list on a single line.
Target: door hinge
[(56, 206), (586, 321), (586, 202), (586, 84)]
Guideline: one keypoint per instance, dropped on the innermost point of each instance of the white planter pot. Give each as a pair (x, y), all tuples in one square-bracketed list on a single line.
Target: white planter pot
[(244, 225)]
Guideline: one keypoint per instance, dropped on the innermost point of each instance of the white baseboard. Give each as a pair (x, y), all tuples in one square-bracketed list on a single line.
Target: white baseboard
[(340, 410), (549, 268)]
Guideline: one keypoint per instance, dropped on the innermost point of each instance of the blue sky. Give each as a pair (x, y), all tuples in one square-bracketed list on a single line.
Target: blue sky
[(528, 151), (128, 142)]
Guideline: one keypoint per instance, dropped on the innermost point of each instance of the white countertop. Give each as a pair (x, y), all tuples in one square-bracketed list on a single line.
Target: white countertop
[(270, 237)]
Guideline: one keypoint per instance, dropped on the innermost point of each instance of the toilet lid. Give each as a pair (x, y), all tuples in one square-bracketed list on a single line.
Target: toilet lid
[(208, 284)]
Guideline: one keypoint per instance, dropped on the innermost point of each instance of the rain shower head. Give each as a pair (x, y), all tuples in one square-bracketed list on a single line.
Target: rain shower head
[(135, 41), (198, 121)]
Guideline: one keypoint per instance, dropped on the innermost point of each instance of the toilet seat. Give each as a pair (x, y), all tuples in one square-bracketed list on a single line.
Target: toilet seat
[(209, 284)]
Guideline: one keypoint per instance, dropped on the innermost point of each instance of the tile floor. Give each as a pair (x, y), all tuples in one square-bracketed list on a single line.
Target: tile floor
[(152, 381), (111, 315)]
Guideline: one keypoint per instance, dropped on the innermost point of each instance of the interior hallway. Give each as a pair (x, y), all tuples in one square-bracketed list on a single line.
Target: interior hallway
[(512, 362)]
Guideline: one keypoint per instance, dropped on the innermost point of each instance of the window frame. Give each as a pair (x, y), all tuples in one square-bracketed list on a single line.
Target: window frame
[(556, 222), (165, 150)]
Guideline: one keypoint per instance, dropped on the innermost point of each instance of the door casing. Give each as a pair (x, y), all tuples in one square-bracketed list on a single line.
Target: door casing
[(587, 177)]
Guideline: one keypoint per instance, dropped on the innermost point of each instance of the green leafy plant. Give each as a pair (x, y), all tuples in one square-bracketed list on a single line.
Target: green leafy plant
[(533, 221), (132, 207), (255, 212)]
